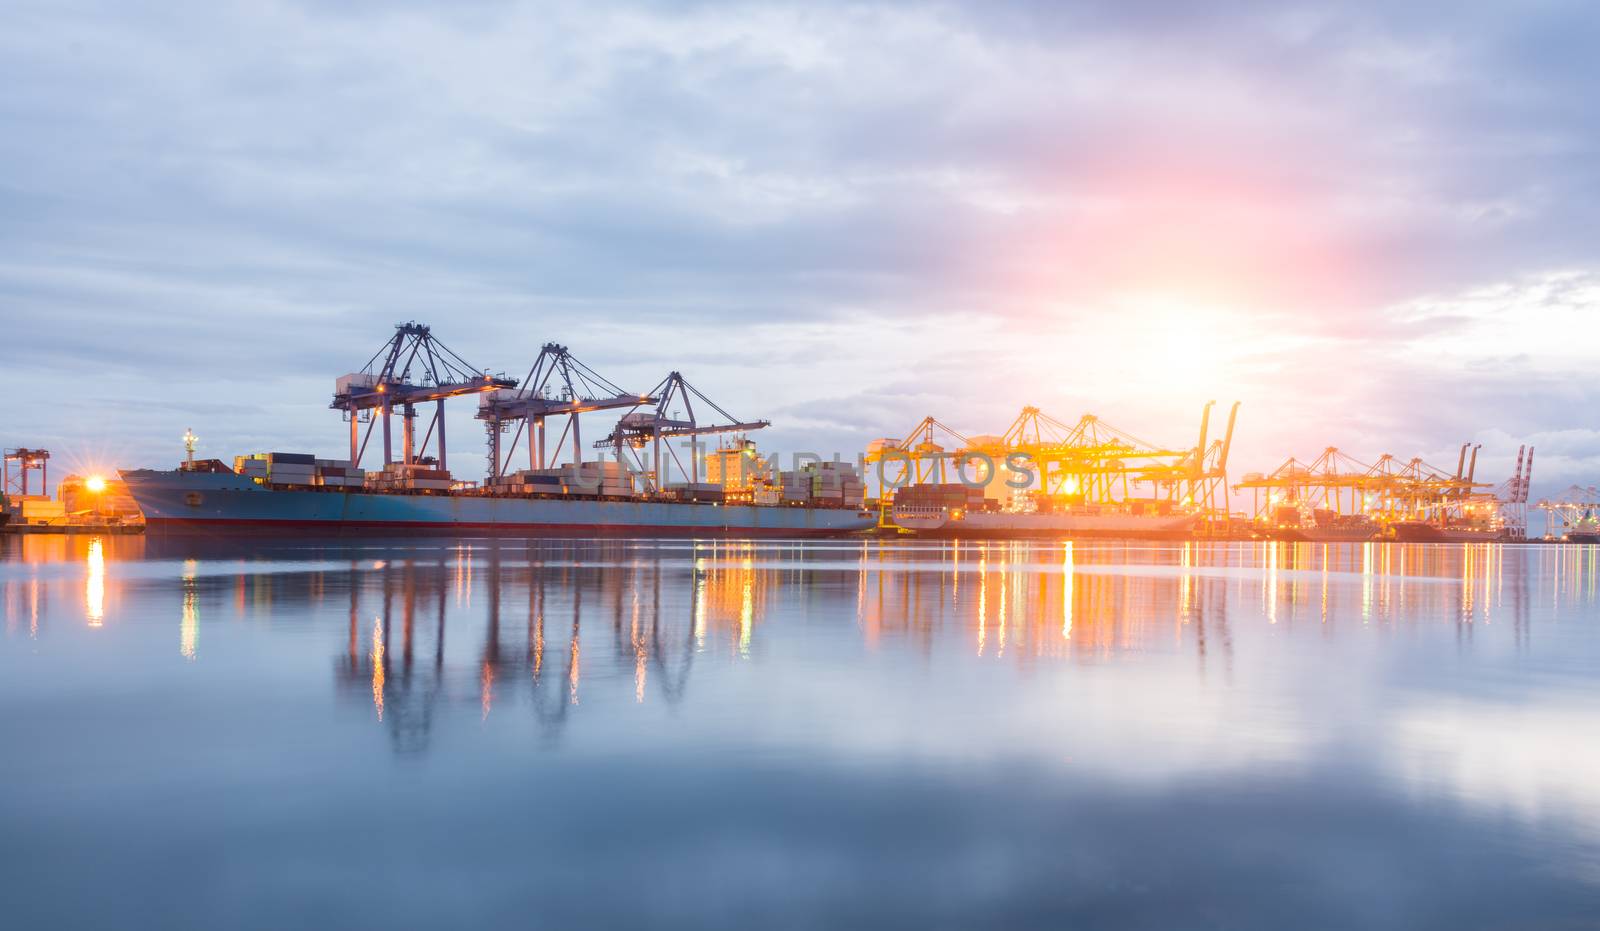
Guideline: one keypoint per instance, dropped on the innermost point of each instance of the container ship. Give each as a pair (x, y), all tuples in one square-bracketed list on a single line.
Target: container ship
[(1435, 532), (957, 510), (1296, 524), (213, 498), (1586, 529), (565, 490)]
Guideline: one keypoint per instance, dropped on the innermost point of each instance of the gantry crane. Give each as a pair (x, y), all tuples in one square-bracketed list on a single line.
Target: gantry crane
[(1191, 478), (1325, 483), (1205, 471), (1429, 494), (26, 461), (1386, 492), (558, 385), (643, 426), (1089, 461), (411, 368), (1513, 495), (919, 456), (1573, 515)]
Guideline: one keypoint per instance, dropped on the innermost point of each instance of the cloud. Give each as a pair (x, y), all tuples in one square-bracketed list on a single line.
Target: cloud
[(801, 202)]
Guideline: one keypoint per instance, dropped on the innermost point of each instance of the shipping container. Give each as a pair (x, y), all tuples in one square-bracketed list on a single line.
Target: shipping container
[(292, 458)]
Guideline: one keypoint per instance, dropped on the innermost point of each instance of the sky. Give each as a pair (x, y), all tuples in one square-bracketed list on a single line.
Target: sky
[(1373, 224)]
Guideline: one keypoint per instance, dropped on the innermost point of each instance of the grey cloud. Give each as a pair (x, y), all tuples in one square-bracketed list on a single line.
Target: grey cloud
[(210, 191)]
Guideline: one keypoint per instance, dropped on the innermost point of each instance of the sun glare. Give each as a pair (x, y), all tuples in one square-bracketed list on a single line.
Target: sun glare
[(95, 483), (1159, 349)]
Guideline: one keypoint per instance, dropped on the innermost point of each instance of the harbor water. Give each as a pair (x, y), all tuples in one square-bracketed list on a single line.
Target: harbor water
[(202, 733)]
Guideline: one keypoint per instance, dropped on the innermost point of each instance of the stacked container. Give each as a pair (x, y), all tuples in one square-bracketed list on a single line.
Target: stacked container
[(278, 468), (794, 487), (251, 466), (397, 476), (700, 492), (298, 469), (339, 473), (38, 509), (932, 497), (611, 479), (528, 482), (836, 484), (601, 477)]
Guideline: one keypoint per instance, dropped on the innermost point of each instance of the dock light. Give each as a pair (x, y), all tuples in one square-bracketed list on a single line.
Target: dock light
[(95, 484)]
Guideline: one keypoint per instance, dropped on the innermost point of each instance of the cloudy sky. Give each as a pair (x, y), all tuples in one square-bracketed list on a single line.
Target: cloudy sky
[(1373, 223)]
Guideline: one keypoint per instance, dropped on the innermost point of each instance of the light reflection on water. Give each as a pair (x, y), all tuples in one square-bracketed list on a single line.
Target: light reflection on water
[(1112, 734), (94, 584)]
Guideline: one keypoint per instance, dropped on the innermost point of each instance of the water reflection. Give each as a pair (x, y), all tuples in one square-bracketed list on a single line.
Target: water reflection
[(189, 623), (1006, 599), (530, 635), (927, 705), (656, 607), (379, 665), (94, 585)]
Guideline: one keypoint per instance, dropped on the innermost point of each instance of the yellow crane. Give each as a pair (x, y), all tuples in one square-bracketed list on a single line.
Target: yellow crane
[(1092, 461), (919, 458), (1387, 491)]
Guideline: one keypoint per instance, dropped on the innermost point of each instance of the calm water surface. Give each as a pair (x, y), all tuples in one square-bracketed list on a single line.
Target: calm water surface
[(474, 733)]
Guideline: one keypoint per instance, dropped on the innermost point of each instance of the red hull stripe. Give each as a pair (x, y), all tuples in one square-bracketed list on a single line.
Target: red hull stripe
[(171, 524)]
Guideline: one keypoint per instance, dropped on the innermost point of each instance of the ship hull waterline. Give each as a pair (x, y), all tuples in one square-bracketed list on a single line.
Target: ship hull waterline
[(212, 503), (1415, 532), (1047, 527), (1293, 535), (995, 533)]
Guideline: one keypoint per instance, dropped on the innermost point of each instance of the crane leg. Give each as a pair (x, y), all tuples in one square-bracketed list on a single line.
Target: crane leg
[(388, 447), (494, 449), (442, 464), (408, 429)]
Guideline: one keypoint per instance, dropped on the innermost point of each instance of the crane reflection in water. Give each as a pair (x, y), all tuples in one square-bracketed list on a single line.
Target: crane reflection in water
[(548, 621), (538, 601), (1070, 713), (652, 609)]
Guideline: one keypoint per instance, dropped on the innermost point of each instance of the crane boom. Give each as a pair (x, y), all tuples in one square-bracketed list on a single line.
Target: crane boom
[(413, 367), (640, 426)]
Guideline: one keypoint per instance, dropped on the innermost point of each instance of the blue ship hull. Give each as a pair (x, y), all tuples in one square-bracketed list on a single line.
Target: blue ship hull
[(224, 502)]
